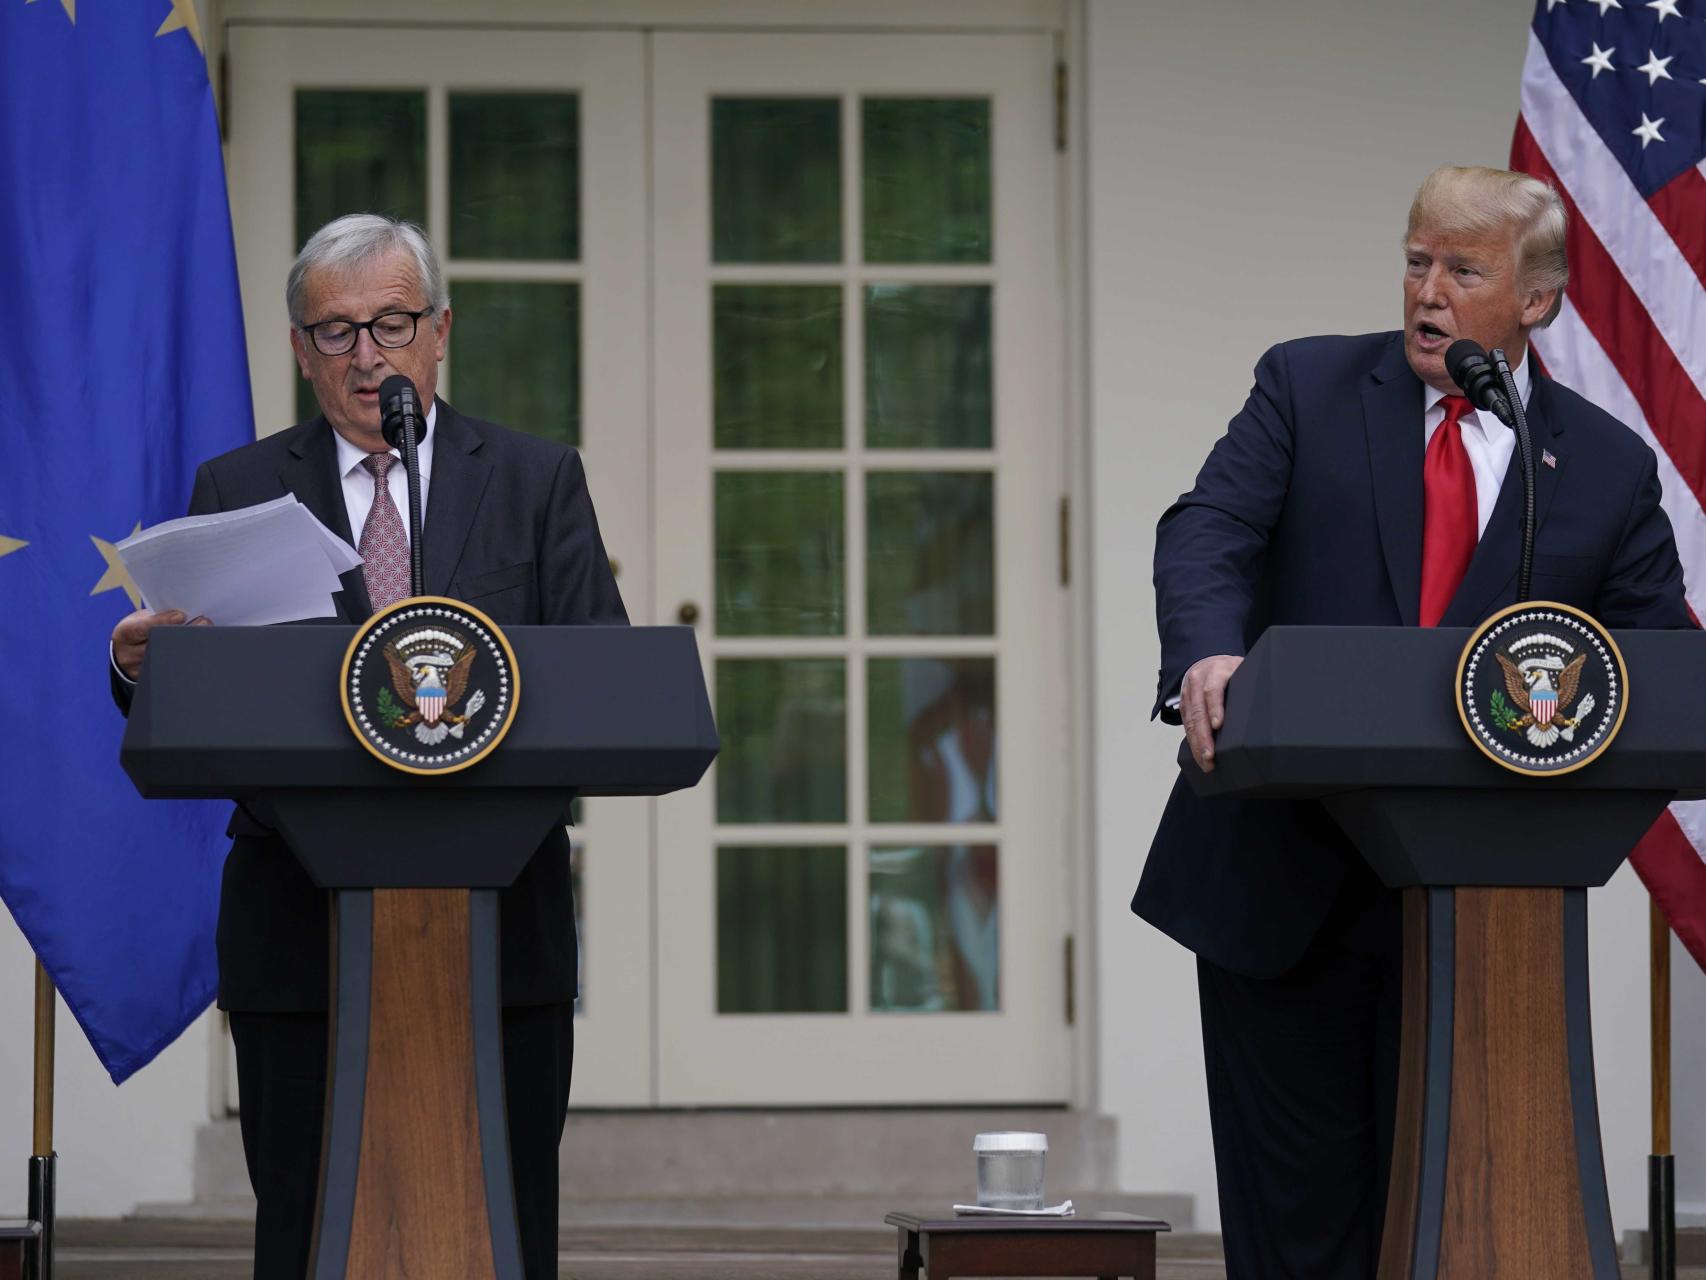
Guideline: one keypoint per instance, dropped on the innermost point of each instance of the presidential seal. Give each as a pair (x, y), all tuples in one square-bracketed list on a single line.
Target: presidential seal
[(429, 685), (1541, 688)]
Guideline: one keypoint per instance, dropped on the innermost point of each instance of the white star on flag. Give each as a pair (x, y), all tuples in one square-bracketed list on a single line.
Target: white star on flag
[(1666, 8), (1599, 59), (1605, 5), (1648, 130), (1655, 67), (1553, 4)]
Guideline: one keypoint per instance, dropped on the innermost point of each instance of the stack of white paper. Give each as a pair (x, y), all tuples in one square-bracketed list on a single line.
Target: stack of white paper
[(271, 563)]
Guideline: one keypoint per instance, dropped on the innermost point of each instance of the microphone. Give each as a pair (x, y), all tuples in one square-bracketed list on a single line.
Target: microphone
[(1467, 365), (402, 425)]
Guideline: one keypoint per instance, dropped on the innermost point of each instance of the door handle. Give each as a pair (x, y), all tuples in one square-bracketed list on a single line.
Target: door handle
[(688, 614)]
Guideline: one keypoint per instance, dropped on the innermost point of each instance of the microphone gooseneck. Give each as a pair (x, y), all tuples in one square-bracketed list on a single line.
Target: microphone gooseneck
[(401, 424), (1525, 460), (1467, 365)]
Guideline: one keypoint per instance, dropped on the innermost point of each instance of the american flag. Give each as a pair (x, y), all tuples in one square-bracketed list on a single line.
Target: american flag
[(1614, 116)]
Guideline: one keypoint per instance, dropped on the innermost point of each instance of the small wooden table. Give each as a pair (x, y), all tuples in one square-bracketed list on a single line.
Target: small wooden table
[(18, 1240), (1104, 1245)]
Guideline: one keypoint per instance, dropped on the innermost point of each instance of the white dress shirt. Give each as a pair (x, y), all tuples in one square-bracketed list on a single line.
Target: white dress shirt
[(358, 480), (1488, 442)]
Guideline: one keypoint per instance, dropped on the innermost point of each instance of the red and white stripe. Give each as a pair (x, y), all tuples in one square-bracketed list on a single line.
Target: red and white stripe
[(1632, 338)]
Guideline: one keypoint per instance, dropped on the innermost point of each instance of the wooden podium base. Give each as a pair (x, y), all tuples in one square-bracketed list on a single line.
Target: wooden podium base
[(1497, 1167), (415, 1174)]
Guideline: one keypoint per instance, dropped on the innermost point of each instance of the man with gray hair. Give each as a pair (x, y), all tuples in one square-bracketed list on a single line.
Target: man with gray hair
[(508, 526), (1357, 487)]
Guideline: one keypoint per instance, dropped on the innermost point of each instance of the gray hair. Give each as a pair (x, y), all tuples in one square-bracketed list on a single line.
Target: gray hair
[(1484, 201), (358, 238)]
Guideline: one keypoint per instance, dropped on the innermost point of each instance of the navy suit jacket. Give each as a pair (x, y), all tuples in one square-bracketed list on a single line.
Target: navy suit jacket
[(1309, 512), (509, 528)]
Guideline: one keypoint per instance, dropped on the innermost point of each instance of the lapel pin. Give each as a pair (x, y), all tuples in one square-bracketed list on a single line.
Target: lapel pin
[(1548, 459)]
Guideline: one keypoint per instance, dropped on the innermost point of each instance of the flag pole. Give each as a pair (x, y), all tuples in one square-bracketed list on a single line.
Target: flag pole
[(43, 1162), (1661, 1164)]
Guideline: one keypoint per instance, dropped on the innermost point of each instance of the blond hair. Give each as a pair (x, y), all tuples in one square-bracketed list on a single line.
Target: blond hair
[(1474, 200)]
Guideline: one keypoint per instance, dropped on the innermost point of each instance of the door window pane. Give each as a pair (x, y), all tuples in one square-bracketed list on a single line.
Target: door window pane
[(781, 929), (933, 742), (927, 193), (515, 176), (357, 151), (515, 355), (935, 928), (928, 367), (776, 180), (783, 724), (776, 352), (930, 537), (780, 548)]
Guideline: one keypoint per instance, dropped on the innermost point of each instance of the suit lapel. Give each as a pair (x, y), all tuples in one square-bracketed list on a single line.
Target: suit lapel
[(458, 482), (1392, 417), (311, 473), (1493, 569)]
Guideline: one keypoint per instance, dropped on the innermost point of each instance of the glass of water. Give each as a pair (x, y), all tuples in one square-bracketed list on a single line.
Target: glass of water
[(1010, 1169)]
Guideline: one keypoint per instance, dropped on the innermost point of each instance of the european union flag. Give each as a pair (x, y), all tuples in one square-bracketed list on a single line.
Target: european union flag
[(122, 366)]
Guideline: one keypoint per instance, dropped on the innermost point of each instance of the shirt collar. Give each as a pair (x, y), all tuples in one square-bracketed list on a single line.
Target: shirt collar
[(352, 456), (1486, 421)]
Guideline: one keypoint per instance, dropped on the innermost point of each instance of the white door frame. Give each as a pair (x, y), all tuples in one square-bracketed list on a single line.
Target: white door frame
[(1061, 20), (607, 71)]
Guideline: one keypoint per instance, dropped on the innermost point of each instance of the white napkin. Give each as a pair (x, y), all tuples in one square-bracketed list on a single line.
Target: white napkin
[(1062, 1210)]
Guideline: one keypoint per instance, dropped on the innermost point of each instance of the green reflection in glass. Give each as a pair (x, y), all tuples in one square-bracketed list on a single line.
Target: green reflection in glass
[(515, 175), (776, 352), (781, 929), (935, 928), (780, 550), (515, 355), (784, 733), (928, 367), (776, 180), (927, 192), (930, 539), (357, 151), (932, 740)]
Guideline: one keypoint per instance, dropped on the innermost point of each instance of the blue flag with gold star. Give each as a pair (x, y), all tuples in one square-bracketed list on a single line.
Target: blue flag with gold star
[(122, 366)]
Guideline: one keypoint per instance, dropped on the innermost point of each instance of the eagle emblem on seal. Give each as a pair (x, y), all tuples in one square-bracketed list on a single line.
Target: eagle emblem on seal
[(1541, 690), (429, 675)]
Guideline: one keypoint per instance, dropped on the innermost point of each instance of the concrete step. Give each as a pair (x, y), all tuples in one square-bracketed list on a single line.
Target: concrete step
[(830, 1168)]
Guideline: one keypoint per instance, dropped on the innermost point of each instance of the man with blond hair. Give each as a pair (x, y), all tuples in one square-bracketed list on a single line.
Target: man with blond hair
[(1358, 488)]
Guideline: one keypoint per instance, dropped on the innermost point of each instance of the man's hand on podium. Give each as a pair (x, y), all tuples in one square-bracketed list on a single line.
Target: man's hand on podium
[(1202, 704), (130, 637)]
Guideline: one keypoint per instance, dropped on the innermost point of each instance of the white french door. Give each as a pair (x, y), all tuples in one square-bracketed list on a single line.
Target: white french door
[(797, 298), (857, 477), (523, 156)]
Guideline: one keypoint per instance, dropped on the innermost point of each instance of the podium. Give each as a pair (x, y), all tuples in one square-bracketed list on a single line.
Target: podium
[(1497, 1163), (415, 1174)]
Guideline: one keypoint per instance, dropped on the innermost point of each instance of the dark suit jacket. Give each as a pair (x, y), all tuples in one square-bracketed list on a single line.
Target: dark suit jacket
[(508, 527), (1309, 512)]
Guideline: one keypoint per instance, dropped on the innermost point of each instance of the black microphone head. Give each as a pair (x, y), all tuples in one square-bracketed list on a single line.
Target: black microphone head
[(397, 400), (1461, 359)]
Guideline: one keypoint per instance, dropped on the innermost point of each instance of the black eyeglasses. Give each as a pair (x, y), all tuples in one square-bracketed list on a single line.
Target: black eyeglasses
[(393, 329)]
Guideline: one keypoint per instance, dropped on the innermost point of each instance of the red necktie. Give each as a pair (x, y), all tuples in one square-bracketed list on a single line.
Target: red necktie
[(1450, 525)]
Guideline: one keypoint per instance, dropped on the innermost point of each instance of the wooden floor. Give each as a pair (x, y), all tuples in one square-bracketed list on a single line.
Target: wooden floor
[(183, 1250)]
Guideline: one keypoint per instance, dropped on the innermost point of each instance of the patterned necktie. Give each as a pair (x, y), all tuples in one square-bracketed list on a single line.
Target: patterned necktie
[(1450, 521), (384, 544)]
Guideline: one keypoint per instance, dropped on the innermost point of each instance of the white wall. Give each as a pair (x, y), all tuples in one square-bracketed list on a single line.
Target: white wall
[(117, 1146), (1250, 166)]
